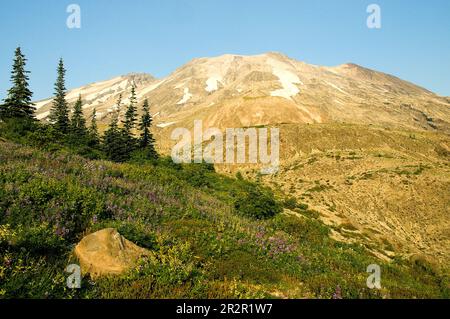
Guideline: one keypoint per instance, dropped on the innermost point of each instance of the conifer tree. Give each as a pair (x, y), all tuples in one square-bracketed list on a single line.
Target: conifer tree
[(93, 129), (130, 115), (18, 101), (113, 140), (147, 142), (78, 123), (60, 111), (129, 123)]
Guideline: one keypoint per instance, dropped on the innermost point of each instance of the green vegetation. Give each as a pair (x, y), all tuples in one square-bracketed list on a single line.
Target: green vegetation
[(206, 247)]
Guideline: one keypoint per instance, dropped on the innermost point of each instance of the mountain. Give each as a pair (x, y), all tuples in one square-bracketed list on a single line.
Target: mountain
[(235, 91)]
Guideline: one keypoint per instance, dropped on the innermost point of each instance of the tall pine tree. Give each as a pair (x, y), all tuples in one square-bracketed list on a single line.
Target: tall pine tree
[(78, 123), (130, 115), (147, 142), (93, 129), (60, 111), (129, 123), (18, 101), (113, 140)]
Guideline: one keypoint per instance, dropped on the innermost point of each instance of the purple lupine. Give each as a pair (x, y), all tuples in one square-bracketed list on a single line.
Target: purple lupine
[(337, 293)]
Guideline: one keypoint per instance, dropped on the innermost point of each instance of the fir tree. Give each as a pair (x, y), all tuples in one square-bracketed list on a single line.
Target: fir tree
[(130, 115), (18, 101), (60, 111), (78, 123), (93, 130), (147, 141), (129, 123), (113, 140)]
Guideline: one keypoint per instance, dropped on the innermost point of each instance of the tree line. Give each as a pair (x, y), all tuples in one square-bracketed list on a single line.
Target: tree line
[(118, 142)]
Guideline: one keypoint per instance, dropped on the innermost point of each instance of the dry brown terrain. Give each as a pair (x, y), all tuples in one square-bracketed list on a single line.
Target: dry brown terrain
[(386, 188)]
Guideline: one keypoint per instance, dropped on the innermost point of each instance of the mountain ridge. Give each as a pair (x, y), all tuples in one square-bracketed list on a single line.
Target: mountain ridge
[(212, 89)]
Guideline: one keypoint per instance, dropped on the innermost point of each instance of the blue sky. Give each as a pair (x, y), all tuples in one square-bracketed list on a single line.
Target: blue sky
[(157, 36)]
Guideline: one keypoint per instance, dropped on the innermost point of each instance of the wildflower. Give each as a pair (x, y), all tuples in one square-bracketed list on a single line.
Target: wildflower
[(338, 293)]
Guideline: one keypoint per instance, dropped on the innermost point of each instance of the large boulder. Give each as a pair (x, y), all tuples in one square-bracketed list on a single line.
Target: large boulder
[(106, 252)]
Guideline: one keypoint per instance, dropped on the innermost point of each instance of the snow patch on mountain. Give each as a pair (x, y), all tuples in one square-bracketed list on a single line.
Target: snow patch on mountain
[(216, 70), (162, 125), (287, 78), (186, 97), (212, 84)]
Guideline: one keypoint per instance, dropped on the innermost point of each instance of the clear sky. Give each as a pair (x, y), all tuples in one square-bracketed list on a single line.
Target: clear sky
[(157, 36)]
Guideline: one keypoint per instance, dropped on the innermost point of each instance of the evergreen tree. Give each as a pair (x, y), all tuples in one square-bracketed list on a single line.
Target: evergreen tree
[(60, 111), (130, 115), (113, 140), (147, 142), (78, 123), (18, 101), (93, 130), (129, 123)]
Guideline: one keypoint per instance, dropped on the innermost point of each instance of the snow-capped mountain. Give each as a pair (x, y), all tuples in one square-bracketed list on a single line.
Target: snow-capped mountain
[(235, 90)]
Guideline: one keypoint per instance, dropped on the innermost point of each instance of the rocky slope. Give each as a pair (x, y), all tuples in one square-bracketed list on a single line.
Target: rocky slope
[(388, 189)]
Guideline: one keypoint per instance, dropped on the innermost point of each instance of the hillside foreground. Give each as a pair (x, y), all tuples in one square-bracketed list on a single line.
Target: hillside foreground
[(203, 245)]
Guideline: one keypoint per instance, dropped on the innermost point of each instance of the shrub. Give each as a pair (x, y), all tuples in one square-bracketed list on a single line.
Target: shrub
[(290, 203), (166, 161), (45, 136), (303, 206), (305, 230), (63, 204), (142, 156), (198, 174), (40, 239), (89, 152), (16, 129), (138, 234), (257, 203)]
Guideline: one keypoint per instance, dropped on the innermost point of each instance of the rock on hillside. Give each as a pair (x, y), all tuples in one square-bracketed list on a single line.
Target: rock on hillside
[(106, 252)]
